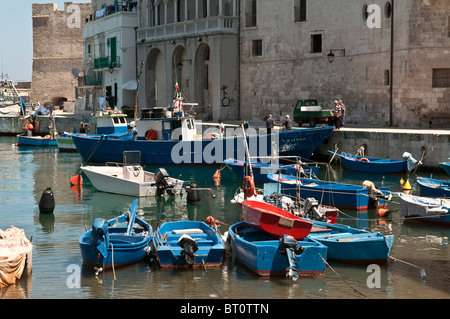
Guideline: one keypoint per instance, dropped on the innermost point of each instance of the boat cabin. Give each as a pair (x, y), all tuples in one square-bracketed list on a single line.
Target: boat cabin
[(112, 123), (165, 129)]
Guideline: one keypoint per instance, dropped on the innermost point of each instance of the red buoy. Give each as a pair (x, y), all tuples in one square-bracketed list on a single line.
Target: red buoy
[(76, 180), (383, 212)]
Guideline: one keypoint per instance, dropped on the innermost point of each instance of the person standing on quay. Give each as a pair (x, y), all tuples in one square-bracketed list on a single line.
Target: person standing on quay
[(287, 125), (343, 113), (336, 112), (270, 124)]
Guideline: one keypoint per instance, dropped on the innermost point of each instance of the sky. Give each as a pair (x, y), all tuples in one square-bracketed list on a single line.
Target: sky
[(16, 37)]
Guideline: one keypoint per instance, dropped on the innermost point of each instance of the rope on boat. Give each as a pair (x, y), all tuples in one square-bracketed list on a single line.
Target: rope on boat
[(354, 289), (422, 270), (112, 262)]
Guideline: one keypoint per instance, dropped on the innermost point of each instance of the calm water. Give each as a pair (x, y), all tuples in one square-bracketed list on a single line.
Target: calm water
[(26, 172)]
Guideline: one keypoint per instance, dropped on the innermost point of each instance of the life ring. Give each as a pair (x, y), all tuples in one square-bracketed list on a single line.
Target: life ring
[(249, 186), (363, 159)]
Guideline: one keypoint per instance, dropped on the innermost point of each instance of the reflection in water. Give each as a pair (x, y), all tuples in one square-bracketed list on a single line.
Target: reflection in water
[(25, 173)]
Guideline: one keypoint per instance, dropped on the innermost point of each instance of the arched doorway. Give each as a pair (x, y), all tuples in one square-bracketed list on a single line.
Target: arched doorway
[(180, 71), (202, 75), (58, 102), (155, 79)]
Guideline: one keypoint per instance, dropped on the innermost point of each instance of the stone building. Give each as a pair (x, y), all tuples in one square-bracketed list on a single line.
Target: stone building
[(194, 43), (109, 56), (391, 59), (57, 51)]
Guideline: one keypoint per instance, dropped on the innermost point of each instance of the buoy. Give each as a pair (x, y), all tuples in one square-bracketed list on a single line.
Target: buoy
[(30, 126), (364, 159), (193, 194), (407, 186), (217, 175), (210, 221), (47, 202), (402, 181), (76, 180), (383, 212)]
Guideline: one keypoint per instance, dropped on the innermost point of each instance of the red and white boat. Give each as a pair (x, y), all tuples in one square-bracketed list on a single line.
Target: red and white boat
[(274, 220)]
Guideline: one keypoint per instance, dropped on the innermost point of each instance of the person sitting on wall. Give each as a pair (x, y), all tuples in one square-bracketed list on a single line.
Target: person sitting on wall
[(287, 124)]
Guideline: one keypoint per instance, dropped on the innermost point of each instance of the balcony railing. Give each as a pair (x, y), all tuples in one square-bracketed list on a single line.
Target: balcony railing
[(220, 24), (107, 62)]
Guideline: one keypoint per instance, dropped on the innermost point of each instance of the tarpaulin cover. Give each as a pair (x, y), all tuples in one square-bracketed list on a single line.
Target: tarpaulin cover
[(15, 254)]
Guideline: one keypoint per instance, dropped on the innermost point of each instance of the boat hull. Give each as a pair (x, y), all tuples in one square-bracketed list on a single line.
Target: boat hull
[(274, 220), (35, 141), (109, 179), (430, 187), (65, 143), (105, 148), (124, 251), (371, 164), (260, 253), (425, 209), (261, 170), (352, 245), (445, 167), (211, 249), (329, 193)]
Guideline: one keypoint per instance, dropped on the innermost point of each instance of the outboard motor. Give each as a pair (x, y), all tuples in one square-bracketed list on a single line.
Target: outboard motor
[(99, 238), (193, 194), (162, 179), (289, 246), (189, 246), (312, 207)]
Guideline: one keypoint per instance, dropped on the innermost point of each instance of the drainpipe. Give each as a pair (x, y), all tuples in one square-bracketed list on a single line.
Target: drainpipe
[(391, 86)]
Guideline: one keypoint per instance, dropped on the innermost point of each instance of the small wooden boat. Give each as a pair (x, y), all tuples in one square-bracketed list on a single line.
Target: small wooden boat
[(446, 167), (120, 241), (260, 170), (274, 220), (353, 245), (187, 244), (24, 140), (332, 193), (371, 164), (430, 187), (426, 209), (131, 179), (268, 255)]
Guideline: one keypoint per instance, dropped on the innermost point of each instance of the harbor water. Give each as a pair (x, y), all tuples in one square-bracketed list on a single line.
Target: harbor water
[(419, 269)]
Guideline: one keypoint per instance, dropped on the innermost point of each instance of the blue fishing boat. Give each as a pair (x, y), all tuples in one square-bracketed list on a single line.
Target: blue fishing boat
[(335, 194), (425, 209), (24, 140), (354, 245), (368, 164), (431, 187), (187, 243), (446, 167), (260, 170), (120, 241), (268, 255), (175, 140)]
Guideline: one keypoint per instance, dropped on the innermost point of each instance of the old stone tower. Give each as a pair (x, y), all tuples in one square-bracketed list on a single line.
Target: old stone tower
[(57, 50)]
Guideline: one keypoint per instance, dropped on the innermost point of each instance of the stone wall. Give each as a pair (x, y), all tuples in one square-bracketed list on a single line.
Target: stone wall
[(287, 70), (57, 50)]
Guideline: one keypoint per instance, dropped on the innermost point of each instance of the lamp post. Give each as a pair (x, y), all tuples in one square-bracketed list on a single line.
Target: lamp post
[(334, 53)]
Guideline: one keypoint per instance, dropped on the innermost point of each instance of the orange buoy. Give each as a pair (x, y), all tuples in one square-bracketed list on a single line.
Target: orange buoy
[(76, 180), (249, 186), (383, 212), (217, 175), (364, 159), (30, 126), (210, 221)]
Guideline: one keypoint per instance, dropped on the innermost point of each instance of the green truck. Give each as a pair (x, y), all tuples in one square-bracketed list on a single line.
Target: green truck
[(308, 111)]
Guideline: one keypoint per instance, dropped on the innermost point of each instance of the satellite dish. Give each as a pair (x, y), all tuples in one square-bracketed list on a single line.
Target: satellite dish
[(75, 72)]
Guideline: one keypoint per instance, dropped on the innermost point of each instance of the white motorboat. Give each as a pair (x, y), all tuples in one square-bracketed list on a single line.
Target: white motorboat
[(129, 178)]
